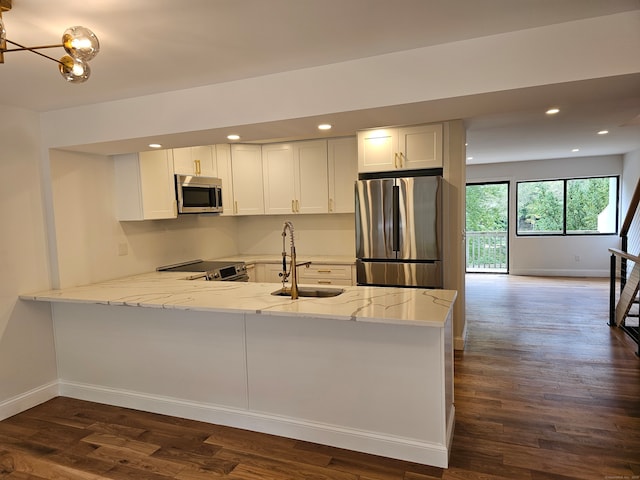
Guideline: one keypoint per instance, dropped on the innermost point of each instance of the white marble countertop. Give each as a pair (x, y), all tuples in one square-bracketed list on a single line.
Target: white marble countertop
[(402, 306), (317, 259)]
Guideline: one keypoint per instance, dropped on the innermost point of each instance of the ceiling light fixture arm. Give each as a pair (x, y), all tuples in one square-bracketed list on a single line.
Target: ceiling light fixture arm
[(32, 49)]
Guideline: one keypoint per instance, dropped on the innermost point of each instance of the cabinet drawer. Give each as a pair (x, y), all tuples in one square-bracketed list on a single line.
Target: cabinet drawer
[(323, 281), (334, 272)]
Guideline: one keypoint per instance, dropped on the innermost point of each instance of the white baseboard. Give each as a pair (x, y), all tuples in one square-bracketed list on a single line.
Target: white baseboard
[(459, 342), (363, 441), (548, 272), (27, 400)]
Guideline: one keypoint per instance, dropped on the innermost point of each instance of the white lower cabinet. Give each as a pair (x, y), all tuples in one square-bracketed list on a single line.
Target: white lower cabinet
[(145, 187), (251, 272), (270, 272), (326, 275), (314, 274)]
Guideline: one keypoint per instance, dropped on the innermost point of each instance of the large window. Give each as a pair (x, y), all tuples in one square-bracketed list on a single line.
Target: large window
[(578, 206)]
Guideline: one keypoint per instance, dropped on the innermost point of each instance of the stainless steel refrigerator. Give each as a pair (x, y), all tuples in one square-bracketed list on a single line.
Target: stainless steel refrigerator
[(399, 231)]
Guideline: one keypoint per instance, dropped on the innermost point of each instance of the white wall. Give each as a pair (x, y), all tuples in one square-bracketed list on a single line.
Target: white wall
[(27, 358), (89, 237), (631, 176), (554, 255), (558, 53), (315, 234)]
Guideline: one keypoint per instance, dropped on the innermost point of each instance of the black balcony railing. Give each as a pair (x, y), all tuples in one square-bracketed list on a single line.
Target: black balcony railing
[(487, 252)]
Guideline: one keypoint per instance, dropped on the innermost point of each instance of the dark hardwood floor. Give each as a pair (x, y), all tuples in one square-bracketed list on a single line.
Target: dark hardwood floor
[(545, 390)]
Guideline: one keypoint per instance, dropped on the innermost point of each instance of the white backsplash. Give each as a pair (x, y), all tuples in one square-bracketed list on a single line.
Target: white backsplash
[(314, 234)]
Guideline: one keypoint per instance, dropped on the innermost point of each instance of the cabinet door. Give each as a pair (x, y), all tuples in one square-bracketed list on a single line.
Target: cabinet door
[(278, 171), (204, 160), (311, 177), (343, 173), (223, 167), (246, 172), (195, 161), (272, 273), (158, 189), (251, 272), (377, 150), (144, 186), (420, 147)]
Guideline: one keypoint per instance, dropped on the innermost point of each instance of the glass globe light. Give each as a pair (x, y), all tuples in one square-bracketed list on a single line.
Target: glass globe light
[(3, 39), (74, 70), (81, 43)]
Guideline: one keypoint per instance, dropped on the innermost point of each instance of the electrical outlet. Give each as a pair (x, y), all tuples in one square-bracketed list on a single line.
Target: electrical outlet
[(123, 249)]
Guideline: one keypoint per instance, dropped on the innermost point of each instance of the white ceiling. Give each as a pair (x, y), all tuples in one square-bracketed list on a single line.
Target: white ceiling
[(153, 46)]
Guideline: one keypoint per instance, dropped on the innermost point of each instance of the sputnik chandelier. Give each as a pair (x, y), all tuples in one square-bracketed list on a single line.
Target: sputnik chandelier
[(80, 43)]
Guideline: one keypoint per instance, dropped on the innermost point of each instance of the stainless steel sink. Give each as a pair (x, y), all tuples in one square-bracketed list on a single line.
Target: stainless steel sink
[(318, 292)]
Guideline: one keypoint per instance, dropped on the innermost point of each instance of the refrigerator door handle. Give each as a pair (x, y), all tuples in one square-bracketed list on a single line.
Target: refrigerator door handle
[(396, 218)]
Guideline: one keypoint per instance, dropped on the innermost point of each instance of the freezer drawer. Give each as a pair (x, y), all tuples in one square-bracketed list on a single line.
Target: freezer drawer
[(399, 274)]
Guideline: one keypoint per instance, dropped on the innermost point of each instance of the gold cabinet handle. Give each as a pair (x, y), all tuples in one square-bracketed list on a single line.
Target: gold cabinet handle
[(402, 158), (293, 206), (324, 271), (297, 206), (324, 282), (395, 160), (235, 207), (331, 204), (197, 165)]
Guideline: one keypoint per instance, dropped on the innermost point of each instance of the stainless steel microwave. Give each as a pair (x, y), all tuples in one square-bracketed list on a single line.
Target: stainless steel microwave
[(198, 194)]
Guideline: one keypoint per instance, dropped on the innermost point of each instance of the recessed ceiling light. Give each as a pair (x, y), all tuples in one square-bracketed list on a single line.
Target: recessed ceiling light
[(552, 111), (233, 136), (324, 126), (603, 132), (155, 145), (575, 149)]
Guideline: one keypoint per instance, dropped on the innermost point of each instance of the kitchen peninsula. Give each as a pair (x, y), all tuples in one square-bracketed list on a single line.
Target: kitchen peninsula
[(369, 370)]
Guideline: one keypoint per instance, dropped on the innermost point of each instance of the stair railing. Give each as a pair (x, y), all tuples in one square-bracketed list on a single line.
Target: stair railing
[(629, 285)]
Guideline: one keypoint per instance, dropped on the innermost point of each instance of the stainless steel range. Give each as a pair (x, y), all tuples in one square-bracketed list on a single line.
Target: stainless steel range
[(210, 270)]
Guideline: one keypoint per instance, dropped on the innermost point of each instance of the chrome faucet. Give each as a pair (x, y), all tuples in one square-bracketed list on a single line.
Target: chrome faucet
[(294, 266)]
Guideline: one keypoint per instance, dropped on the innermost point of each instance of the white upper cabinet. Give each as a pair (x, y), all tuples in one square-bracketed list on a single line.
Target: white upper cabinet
[(405, 148), (200, 161), (343, 173), (223, 167), (246, 173), (145, 187), (277, 168), (311, 176), (295, 177)]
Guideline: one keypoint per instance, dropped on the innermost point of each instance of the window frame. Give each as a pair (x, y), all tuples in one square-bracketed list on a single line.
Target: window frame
[(564, 208)]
